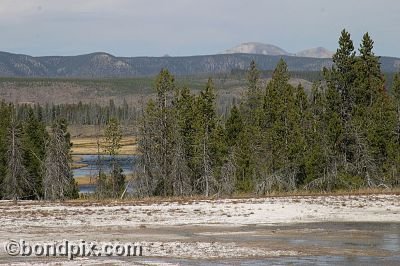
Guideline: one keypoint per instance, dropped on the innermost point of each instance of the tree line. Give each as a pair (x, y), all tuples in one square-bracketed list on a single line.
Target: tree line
[(81, 113), (344, 134)]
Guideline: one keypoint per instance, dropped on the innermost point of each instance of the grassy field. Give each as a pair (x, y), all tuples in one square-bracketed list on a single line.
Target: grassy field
[(88, 145)]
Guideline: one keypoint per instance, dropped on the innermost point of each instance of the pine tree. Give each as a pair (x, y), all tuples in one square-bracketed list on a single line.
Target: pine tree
[(112, 138), (34, 140), (395, 148), (396, 97), (165, 85), (341, 77), (369, 82), (272, 129), (248, 151), (279, 94), (184, 164), (234, 126), (369, 95), (205, 126), (5, 121), (112, 145), (299, 133), (158, 122), (382, 148), (340, 103), (318, 152), (254, 100)]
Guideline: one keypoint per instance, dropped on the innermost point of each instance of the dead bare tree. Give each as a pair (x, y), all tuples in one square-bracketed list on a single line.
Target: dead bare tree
[(16, 180), (180, 169), (207, 170), (228, 178), (149, 172), (277, 180), (58, 180)]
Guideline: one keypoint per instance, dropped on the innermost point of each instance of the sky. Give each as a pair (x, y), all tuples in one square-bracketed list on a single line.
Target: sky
[(191, 27)]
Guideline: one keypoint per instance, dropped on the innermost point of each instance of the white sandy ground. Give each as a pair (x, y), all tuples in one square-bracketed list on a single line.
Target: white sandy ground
[(273, 210), (33, 219)]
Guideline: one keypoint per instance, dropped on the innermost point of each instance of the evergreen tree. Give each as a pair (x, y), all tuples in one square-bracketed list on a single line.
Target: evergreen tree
[(234, 127), (157, 136), (254, 100), (205, 126), (284, 123), (165, 86), (318, 154), (112, 145), (357, 104), (34, 140), (342, 75), (340, 103), (371, 106), (279, 94), (5, 121), (248, 158), (249, 149), (369, 82), (396, 97), (185, 163), (382, 151), (112, 138), (395, 154)]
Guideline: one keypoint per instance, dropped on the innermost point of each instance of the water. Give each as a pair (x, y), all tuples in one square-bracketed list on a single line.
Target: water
[(92, 167), (325, 243), (306, 260)]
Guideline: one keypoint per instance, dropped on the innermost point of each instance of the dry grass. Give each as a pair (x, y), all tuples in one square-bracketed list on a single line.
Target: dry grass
[(78, 165), (76, 162), (85, 180), (361, 191), (241, 197), (79, 131), (88, 145)]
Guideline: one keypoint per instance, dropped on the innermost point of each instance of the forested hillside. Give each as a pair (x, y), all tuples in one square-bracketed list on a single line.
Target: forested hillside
[(102, 65)]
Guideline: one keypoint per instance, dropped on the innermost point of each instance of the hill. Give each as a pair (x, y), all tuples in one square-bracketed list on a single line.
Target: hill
[(269, 49), (103, 65), (319, 52), (257, 48)]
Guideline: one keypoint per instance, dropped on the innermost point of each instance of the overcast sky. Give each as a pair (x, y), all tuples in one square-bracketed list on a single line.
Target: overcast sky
[(191, 27)]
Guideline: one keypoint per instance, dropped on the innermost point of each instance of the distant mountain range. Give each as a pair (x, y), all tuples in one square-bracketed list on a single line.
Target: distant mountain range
[(319, 52), (269, 49), (103, 65)]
